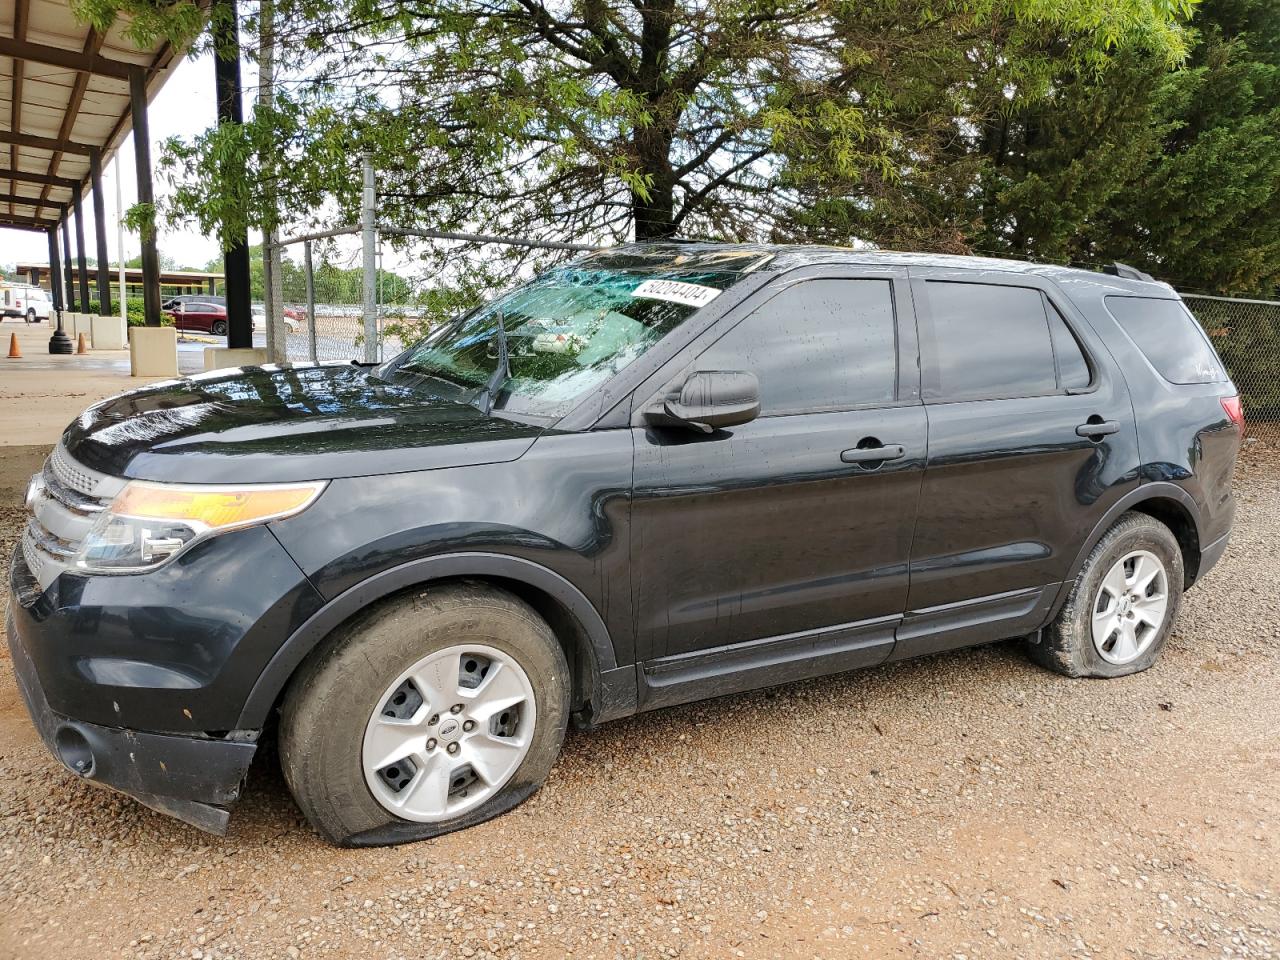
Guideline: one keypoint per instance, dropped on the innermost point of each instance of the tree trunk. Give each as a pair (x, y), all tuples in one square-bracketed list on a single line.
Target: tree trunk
[(654, 217), (654, 213)]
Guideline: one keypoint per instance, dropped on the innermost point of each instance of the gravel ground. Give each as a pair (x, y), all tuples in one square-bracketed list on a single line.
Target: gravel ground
[(964, 806)]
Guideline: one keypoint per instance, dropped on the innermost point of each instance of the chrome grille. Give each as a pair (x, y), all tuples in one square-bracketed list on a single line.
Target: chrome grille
[(69, 497), (66, 503), (70, 474)]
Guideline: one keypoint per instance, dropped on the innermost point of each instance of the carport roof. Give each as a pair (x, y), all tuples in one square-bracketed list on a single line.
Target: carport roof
[(64, 93)]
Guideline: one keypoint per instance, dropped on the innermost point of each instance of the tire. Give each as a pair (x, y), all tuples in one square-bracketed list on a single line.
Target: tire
[(219, 328), (342, 691), (1070, 644)]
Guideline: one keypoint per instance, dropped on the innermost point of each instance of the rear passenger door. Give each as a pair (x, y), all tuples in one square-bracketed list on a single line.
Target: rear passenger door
[(778, 549), (1031, 440)]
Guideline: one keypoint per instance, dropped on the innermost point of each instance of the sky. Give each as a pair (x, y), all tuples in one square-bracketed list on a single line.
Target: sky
[(184, 107)]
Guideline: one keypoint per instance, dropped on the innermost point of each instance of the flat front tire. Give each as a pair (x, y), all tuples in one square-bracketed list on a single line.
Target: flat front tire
[(1122, 607), (424, 714)]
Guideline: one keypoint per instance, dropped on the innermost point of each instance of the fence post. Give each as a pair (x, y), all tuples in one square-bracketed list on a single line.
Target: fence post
[(369, 230), (311, 299)]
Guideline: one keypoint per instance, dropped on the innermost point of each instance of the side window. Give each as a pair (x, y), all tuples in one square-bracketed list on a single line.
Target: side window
[(817, 345), (1170, 337), (988, 341), (1073, 369)]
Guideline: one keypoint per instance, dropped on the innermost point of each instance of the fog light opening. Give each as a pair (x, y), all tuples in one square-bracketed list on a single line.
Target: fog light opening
[(74, 751)]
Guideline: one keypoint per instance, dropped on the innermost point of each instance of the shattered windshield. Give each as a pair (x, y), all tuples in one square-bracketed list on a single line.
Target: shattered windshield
[(566, 332)]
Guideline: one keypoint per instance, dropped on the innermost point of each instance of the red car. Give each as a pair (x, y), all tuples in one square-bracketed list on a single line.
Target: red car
[(201, 316)]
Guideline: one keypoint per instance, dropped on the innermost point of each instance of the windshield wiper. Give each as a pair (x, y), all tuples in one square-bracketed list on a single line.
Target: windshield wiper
[(501, 373)]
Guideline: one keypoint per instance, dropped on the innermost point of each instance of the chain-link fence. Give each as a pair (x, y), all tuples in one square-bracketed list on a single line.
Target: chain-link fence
[(1246, 334), (322, 285)]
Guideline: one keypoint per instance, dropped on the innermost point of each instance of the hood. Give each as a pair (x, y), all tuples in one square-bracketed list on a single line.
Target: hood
[(284, 424)]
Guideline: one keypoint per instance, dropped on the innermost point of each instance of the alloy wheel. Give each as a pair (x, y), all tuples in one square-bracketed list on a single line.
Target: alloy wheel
[(1130, 607), (448, 733)]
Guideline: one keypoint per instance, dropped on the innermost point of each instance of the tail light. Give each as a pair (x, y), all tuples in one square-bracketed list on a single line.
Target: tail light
[(1234, 409)]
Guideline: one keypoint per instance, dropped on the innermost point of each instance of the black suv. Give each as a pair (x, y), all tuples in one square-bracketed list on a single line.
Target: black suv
[(661, 473)]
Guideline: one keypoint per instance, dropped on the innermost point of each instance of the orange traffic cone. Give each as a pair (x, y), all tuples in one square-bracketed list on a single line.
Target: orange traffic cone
[(15, 352), (81, 345)]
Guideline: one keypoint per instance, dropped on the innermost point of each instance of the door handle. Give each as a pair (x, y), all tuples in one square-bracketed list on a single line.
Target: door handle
[(876, 454), (1097, 427)]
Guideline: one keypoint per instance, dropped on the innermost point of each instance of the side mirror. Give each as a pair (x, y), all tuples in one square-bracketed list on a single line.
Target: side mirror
[(711, 399)]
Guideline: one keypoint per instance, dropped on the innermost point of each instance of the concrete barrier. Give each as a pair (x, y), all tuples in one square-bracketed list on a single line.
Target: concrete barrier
[(218, 358), (77, 324), (153, 352), (109, 333), (87, 320)]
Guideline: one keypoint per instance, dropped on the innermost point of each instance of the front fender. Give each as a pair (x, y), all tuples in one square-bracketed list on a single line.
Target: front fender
[(609, 689)]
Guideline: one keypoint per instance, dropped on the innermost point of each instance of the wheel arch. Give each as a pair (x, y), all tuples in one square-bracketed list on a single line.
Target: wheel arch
[(1166, 502), (601, 687), (1177, 516)]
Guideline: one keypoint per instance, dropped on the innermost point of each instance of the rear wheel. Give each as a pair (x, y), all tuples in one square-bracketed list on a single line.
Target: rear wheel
[(425, 714), (219, 328), (1122, 607)]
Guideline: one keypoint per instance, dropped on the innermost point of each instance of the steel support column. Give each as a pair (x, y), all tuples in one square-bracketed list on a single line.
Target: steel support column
[(59, 342), (226, 65), (82, 267), (142, 162), (100, 231), (66, 259)]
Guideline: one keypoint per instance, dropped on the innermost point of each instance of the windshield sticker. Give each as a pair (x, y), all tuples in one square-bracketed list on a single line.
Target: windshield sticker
[(675, 291)]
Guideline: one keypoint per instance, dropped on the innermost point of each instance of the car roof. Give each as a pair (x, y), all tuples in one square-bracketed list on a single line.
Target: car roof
[(782, 257)]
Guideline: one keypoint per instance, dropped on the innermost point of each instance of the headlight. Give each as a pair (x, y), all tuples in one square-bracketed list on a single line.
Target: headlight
[(148, 523)]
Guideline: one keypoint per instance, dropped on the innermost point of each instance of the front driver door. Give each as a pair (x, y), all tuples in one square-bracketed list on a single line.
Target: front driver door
[(779, 549)]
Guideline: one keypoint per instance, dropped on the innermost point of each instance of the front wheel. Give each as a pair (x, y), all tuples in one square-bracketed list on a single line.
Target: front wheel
[(425, 714), (1122, 607), (219, 328)]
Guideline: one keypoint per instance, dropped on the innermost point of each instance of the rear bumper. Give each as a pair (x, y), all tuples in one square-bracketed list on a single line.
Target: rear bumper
[(191, 778), (1210, 555)]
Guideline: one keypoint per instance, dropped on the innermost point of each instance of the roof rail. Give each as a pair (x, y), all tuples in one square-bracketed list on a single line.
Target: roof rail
[(1118, 269)]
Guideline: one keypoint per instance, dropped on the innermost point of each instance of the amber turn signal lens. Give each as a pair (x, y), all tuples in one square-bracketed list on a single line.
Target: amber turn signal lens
[(211, 506)]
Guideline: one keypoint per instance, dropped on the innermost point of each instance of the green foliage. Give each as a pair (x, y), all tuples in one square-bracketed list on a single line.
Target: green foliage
[(1174, 171), (135, 312), (1200, 207), (145, 22), (609, 118), (141, 219), (1068, 130)]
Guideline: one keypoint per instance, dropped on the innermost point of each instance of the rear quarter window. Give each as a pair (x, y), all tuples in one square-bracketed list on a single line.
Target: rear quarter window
[(1169, 337)]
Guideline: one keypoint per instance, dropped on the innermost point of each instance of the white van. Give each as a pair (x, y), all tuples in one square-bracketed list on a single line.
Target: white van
[(24, 300)]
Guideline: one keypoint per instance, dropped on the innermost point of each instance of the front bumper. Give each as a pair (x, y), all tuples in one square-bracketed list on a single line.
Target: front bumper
[(194, 779), (137, 682)]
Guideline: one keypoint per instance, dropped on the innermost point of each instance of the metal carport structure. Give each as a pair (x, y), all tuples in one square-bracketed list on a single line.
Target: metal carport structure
[(71, 95)]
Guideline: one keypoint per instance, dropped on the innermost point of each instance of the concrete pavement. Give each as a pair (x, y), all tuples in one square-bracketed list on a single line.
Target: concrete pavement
[(41, 392)]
